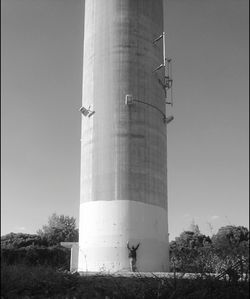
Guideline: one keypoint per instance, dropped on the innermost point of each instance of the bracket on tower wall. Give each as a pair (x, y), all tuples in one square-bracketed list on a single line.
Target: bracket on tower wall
[(163, 37), (86, 112), (169, 119)]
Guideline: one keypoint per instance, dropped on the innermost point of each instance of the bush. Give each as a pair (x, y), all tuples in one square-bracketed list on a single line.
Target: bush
[(19, 240), (193, 252), (43, 282), (56, 257)]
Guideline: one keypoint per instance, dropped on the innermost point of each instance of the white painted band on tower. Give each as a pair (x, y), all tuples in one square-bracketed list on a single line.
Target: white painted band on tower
[(123, 149)]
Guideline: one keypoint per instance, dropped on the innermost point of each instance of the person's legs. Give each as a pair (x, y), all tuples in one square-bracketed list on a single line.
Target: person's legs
[(131, 264)]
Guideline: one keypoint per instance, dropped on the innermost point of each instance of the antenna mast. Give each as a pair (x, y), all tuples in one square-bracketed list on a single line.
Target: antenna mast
[(167, 65)]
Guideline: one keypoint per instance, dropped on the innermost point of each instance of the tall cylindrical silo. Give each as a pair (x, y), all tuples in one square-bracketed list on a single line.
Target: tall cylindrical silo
[(123, 147)]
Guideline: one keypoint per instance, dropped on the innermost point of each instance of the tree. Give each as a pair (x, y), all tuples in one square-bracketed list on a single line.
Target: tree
[(190, 251), (59, 229), (231, 240), (226, 252), (231, 244), (194, 228), (20, 240)]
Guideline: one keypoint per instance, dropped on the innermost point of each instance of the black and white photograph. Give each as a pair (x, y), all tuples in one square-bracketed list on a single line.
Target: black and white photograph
[(125, 149)]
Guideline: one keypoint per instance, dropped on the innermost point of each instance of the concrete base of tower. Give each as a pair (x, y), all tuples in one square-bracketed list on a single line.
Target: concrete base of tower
[(105, 228)]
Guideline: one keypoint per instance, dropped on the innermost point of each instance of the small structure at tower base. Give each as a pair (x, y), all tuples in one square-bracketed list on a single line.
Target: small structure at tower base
[(74, 248)]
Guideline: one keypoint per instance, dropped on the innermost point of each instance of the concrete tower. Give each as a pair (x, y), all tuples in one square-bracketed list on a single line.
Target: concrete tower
[(123, 143)]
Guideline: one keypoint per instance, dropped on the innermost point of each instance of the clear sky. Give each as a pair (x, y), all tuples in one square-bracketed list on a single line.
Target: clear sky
[(42, 43)]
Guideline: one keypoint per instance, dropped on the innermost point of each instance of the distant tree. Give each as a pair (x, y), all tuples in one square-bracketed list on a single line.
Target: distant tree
[(232, 241), (231, 244), (54, 256), (192, 240), (195, 252), (59, 229), (194, 228), (21, 240), (189, 252)]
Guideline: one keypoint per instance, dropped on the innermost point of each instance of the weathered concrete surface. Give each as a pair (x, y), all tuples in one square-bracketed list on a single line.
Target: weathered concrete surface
[(124, 164), (108, 226)]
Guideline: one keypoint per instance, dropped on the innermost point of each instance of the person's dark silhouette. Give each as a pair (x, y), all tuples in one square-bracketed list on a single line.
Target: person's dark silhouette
[(132, 257)]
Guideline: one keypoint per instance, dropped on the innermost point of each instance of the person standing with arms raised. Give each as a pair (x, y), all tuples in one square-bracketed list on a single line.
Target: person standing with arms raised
[(132, 257)]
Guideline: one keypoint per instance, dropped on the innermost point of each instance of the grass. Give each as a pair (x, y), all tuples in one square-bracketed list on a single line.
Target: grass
[(21, 281)]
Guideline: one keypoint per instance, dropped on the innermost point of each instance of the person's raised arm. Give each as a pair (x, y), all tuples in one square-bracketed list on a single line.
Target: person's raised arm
[(128, 246), (137, 246)]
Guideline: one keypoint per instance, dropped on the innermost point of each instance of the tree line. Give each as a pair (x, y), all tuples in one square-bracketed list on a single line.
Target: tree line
[(194, 252), (191, 252), (42, 248)]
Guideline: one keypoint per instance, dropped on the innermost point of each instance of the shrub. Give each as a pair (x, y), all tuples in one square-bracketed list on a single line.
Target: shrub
[(19, 240), (56, 257), (43, 282)]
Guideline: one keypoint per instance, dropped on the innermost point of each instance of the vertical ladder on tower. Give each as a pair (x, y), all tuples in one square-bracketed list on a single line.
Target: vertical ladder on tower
[(167, 81)]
